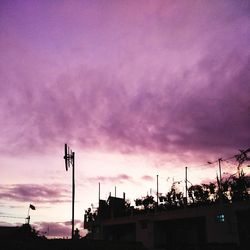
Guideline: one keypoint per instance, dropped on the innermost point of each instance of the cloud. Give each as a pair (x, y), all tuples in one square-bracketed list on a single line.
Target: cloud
[(6, 224), (174, 80), (121, 178), (35, 193), (147, 178), (58, 229)]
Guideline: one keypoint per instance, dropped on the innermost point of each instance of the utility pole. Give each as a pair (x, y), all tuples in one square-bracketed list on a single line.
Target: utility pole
[(99, 193), (186, 189), (73, 195), (157, 190), (220, 186), (69, 158)]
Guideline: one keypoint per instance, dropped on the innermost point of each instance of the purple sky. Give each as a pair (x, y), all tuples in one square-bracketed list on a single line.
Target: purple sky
[(124, 83)]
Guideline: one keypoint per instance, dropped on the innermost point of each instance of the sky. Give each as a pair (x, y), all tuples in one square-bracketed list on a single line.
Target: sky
[(136, 88)]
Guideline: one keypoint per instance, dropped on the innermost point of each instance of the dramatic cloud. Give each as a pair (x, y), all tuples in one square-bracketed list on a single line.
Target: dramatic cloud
[(35, 193), (163, 77), (137, 88)]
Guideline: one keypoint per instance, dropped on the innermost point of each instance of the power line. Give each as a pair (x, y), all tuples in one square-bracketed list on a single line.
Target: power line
[(216, 161), (14, 217)]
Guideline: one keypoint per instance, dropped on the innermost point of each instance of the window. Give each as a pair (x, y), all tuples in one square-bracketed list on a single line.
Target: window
[(220, 218)]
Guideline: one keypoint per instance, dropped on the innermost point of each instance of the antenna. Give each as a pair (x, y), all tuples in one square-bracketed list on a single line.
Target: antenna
[(99, 193), (69, 158), (186, 181), (157, 190), (66, 156)]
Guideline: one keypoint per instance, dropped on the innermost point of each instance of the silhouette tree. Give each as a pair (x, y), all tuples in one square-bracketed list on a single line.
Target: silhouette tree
[(239, 187), (211, 187), (147, 202), (26, 232), (201, 194), (138, 202), (197, 193)]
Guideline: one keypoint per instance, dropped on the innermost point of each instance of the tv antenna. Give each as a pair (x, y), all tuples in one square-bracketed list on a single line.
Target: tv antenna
[(69, 157)]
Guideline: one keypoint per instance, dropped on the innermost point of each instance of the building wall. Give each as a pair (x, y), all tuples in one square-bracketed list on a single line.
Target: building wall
[(221, 224), (122, 232), (243, 218), (145, 232), (199, 225), (170, 234)]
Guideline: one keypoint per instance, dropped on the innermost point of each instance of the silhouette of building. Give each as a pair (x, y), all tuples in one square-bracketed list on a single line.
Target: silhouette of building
[(220, 223), (22, 232)]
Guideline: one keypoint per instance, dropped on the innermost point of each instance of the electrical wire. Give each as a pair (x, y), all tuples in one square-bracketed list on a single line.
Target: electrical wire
[(14, 217), (216, 161)]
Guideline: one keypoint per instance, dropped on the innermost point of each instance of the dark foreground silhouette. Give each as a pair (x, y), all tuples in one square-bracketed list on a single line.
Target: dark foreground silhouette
[(27, 238), (62, 244), (85, 244)]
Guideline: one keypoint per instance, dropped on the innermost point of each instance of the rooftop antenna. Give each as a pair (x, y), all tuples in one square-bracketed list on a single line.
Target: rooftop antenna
[(69, 158), (157, 190), (186, 181), (99, 193)]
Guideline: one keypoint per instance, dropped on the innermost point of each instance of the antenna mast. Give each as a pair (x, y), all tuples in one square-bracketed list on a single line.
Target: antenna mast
[(99, 193), (69, 158), (186, 180), (157, 191)]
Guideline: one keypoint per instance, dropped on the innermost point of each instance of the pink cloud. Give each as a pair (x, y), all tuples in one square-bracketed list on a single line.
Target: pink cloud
[(121, 178), (173, 79), (147, 178), (6, 224), (37, 193), (58, 229)]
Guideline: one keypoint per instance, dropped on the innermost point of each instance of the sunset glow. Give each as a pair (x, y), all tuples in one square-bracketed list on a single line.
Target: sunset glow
[(136, 88)]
